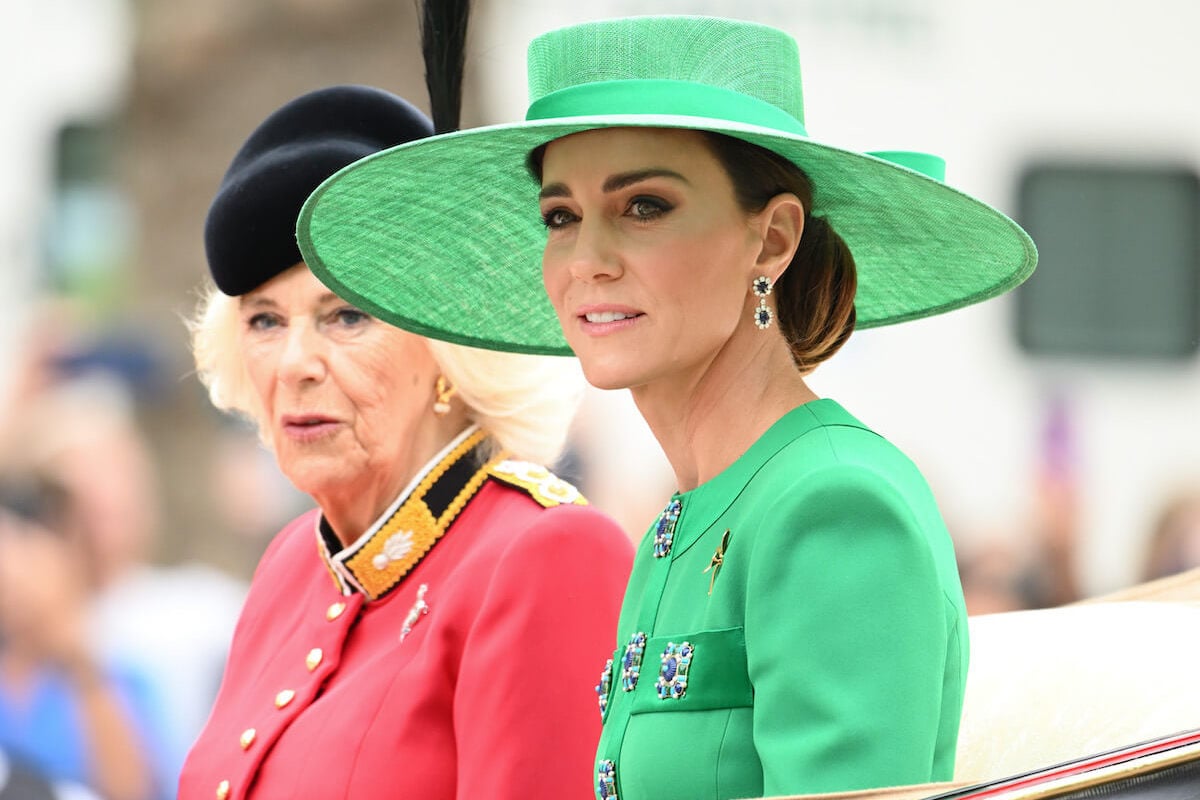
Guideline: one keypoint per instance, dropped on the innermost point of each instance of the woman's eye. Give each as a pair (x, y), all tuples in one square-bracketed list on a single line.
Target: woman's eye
[(557, 218), (351, 317), (644, 208), (262, 321)]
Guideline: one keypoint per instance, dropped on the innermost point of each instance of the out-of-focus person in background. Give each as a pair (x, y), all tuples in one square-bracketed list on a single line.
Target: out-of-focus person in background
[(20, 782), (63, 711), (998, 575), (430, 630), (69, 422), (1174, 544), (173, 623), (794, 622), (1032, 565)]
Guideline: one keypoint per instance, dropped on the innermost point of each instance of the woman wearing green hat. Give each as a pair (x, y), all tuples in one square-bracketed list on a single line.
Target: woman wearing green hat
[(794, 622)]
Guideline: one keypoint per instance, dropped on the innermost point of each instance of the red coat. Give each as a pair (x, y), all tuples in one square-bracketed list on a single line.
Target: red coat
[(490, 694)]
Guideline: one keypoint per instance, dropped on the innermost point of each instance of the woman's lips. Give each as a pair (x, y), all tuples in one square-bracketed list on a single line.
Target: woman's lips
[(604, 320), (307, 427)]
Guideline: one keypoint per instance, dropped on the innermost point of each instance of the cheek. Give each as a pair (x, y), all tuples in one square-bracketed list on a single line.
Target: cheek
[(708, 278), (259, 361), (376, 388), (389, 379), (554, 279), (728, 246)]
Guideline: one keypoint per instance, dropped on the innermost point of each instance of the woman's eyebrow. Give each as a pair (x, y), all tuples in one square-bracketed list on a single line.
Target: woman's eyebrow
[(616, 182), (554, 190), (623, 179)]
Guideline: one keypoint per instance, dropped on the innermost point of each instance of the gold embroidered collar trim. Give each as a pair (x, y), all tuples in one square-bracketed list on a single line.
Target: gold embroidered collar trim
[(379, 560)]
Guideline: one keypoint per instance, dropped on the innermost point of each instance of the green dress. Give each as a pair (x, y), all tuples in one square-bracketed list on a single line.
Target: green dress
[(828, 652)]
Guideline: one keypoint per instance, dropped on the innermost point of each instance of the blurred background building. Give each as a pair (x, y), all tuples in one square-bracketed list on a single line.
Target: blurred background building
[(1059, 425)]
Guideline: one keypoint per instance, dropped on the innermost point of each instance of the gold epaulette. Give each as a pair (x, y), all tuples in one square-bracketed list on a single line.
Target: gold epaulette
[(544, 486)]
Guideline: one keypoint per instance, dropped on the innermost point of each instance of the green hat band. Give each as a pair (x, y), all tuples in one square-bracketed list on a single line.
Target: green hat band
[(648, 96)]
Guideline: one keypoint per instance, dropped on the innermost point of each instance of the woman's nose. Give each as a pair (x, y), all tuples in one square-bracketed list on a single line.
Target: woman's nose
[(594, 255), (304, 356)]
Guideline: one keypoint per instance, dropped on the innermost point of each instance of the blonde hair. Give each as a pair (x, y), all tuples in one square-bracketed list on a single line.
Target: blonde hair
[(525, 402)]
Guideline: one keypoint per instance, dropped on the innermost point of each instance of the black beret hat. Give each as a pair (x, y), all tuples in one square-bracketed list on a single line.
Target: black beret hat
[(250, 232)]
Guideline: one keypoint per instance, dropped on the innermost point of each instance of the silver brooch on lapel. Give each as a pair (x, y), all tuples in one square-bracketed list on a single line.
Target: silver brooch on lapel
[(419, 609)]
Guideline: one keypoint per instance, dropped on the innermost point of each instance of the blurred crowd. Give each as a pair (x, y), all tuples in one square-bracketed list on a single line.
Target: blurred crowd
[(108, 661)]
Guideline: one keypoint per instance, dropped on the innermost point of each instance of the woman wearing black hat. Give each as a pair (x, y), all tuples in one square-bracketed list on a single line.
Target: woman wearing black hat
[(432, 628)]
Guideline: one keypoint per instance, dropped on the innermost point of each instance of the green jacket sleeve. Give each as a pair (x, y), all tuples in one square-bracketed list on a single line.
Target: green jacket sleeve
[(846, 627)]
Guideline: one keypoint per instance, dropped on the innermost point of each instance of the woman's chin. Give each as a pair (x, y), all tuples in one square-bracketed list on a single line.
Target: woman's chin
[(606, 382), (609, 376), (312, 473)]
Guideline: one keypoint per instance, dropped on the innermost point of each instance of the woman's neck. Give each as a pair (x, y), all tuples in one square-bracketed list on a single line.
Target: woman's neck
[(350, 512), (350, 509), (705, 419)]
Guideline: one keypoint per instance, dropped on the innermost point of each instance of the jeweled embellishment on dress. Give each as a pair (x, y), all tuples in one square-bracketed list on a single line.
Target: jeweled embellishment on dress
[(603, 686), (631, 663), (664, 529), (606, 780), (673, 674)]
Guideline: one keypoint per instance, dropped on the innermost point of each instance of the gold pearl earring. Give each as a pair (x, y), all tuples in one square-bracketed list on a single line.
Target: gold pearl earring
[(443, 391)]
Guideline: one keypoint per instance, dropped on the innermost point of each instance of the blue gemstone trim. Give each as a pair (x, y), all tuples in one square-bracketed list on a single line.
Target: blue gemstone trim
[(603, 687), (606, 780), (762, 286), (673, 674), (631, 663), (664, 529)]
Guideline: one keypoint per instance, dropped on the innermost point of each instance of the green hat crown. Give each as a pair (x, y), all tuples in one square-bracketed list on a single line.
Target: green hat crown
[(689, 66)]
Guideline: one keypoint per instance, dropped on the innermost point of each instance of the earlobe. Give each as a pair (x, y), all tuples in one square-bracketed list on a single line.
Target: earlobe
[(781, 225)]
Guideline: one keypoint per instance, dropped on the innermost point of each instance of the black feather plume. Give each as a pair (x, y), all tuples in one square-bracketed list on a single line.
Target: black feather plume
[(444, 44)]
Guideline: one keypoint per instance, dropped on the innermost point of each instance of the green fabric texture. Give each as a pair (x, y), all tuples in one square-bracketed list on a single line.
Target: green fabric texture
[(443, 236), (754, 60), (839, 591)]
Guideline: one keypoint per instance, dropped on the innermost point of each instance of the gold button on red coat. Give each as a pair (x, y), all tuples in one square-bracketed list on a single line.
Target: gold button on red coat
[(247, 738), (222, 790), (314, 658), (334, 611), (284, 697)]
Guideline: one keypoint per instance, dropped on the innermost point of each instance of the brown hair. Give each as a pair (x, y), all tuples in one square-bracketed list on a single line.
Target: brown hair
[(814, 297)]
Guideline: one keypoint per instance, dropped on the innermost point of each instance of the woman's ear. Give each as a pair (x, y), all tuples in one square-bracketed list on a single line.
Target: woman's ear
[(780, 225)]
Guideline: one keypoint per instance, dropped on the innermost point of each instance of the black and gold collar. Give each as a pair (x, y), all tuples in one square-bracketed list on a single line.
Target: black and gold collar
[(412, 525), (425, 510)]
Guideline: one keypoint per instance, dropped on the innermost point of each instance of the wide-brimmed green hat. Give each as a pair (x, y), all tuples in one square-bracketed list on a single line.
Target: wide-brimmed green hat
[(443, 236)]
